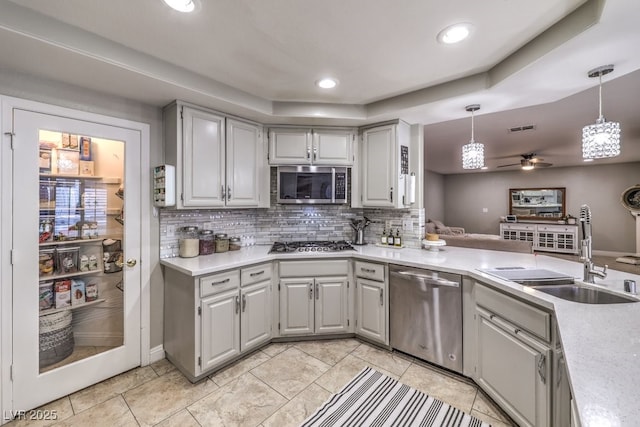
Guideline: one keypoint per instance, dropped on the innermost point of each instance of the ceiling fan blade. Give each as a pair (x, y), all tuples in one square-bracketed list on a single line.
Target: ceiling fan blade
[(505, 166), (541, 165)]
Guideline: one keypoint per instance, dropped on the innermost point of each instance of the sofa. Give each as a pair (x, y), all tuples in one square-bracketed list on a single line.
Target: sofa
[(456, 236)]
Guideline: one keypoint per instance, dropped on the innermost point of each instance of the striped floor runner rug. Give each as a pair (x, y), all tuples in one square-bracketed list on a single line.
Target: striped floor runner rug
[(373, 399)]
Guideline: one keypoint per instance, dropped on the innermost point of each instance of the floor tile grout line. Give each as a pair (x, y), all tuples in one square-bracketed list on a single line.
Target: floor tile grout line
[(130, 410)]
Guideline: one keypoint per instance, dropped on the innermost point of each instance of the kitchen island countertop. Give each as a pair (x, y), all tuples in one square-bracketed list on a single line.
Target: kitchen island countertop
[(601, 343)]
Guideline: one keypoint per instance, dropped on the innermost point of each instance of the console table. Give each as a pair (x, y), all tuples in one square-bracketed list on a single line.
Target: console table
[(544, 236)]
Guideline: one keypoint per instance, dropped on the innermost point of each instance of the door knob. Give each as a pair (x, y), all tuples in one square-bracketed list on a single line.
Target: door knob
[(131, 262)]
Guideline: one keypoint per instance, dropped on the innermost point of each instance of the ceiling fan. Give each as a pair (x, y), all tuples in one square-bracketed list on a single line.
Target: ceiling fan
[(529, 161)]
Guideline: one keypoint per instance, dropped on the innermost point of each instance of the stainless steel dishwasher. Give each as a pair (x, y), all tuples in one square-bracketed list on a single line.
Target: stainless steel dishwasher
[(426, 315)]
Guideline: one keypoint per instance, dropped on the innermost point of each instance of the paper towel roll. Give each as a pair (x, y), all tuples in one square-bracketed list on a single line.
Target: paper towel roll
[(411, 188)]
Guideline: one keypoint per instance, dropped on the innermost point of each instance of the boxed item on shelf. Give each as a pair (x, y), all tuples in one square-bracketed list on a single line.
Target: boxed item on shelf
[(44, 160), (46, 295), (68, 162), (73, 142), (65, 140), (68, 259), (86, 168), (77, 292), (85, 148), (47, 262), (45, 230), (91, 292), (62, 292)]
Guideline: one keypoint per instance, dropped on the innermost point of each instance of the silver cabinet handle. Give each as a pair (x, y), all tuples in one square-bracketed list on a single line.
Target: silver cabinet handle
[(223, 195), (220, 282), (541, 366), (257, 273), (310, 290), (315, 152), (381, 296), (228, 193), (244, 302), (367, 270), (317, 293), (560, 369), (308, 153), (237, 304), (391, 194)]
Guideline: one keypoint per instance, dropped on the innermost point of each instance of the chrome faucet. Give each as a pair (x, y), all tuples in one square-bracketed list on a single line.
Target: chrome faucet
[(589, 268)]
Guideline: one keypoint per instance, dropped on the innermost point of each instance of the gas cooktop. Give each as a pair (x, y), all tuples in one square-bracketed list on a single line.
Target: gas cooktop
[(313, 246)]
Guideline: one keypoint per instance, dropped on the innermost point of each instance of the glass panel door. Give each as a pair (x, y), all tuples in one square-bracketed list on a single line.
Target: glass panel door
[(76, 298)]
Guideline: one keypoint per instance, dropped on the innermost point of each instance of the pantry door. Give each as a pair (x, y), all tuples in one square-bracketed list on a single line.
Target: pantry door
[(76, 257)]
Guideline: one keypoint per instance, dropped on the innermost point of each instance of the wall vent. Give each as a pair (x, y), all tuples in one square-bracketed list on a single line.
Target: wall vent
[(522, 128)]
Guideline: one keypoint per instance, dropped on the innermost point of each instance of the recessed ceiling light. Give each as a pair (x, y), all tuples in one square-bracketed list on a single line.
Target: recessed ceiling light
[(182, 5), (587, 160), (327, 83), (455, 33)]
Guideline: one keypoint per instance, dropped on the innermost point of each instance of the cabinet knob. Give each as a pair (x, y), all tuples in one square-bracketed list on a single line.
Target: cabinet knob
[(131, 262)]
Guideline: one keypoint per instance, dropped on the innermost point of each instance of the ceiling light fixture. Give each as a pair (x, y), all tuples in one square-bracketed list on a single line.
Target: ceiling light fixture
[(181, 5), (527, 165), (473, 152), (454, 33), (327, 83), (602, 139)]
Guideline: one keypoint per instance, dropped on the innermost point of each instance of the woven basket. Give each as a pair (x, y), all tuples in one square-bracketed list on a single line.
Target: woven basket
[(56, 337)]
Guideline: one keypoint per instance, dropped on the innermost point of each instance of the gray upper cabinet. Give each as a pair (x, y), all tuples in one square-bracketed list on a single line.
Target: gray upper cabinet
[(383, 181), (306, 146), (220, 161)]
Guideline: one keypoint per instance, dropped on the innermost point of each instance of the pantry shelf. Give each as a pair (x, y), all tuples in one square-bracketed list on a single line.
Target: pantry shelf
[(71, 307), (67, 275)]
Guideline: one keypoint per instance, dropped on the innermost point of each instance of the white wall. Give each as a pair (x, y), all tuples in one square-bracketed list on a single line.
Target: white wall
[(55, 93), (599, 186)]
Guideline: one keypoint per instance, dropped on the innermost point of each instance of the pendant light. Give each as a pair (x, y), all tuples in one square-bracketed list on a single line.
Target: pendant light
[(602, 139), (473, 152)]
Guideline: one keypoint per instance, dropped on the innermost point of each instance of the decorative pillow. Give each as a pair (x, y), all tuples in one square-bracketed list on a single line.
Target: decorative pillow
[(438, 224), (445, 230)]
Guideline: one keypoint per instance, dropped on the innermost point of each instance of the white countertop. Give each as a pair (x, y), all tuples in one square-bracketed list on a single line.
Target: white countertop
[(601, 343)]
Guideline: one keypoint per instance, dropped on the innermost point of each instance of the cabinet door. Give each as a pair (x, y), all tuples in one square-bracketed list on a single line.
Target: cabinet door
[(244, 164), (255, 318), (296, 306), (332, 147), (289, 146), (220, 329), (514, 372), (203, 159), (331, 311), (379, 159), (371, 310)]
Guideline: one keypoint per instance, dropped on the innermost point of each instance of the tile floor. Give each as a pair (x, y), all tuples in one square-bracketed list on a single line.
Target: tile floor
[(277, 386)]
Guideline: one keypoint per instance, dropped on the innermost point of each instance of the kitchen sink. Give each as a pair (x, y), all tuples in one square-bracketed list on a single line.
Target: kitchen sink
[(583, 294)]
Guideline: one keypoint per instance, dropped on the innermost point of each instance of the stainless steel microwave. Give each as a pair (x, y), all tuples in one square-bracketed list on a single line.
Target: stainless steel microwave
[(312, 184)]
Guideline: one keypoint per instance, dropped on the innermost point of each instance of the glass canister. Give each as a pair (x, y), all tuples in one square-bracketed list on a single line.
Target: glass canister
[(188, 242), (222, 243), (234, 244), (207, 242)]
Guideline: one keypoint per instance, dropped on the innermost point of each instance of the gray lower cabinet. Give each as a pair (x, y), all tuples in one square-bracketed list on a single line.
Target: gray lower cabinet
[(314, 297), (514, 356), (371, 302), (211, 320)]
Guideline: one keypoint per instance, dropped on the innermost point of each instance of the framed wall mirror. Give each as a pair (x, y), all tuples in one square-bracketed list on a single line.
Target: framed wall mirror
[(538, 203)]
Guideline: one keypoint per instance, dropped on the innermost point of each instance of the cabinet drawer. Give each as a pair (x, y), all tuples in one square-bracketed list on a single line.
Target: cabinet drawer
[(332, 267), (558, 228), (532, 319), (369, 270), (216, 283), (257, 273), (518, 227)]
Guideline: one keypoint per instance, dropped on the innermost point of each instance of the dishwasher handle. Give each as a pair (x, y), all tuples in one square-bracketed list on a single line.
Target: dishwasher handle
[(428, 280)]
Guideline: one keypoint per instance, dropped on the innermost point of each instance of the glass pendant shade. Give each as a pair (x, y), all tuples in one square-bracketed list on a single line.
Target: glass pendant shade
[(602, 139), (473, 152), (473, 155)]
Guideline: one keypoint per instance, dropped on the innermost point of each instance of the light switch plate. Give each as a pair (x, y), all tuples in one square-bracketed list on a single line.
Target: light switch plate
[(407, 226)]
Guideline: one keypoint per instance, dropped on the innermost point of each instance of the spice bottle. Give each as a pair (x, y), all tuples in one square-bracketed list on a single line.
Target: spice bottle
[(222, 242), (189, 244), (207, 243), (397, 241), (234, 244), (383, 239)]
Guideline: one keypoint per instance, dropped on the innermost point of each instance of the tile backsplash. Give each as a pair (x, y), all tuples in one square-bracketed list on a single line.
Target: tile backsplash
[(289, 223)]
